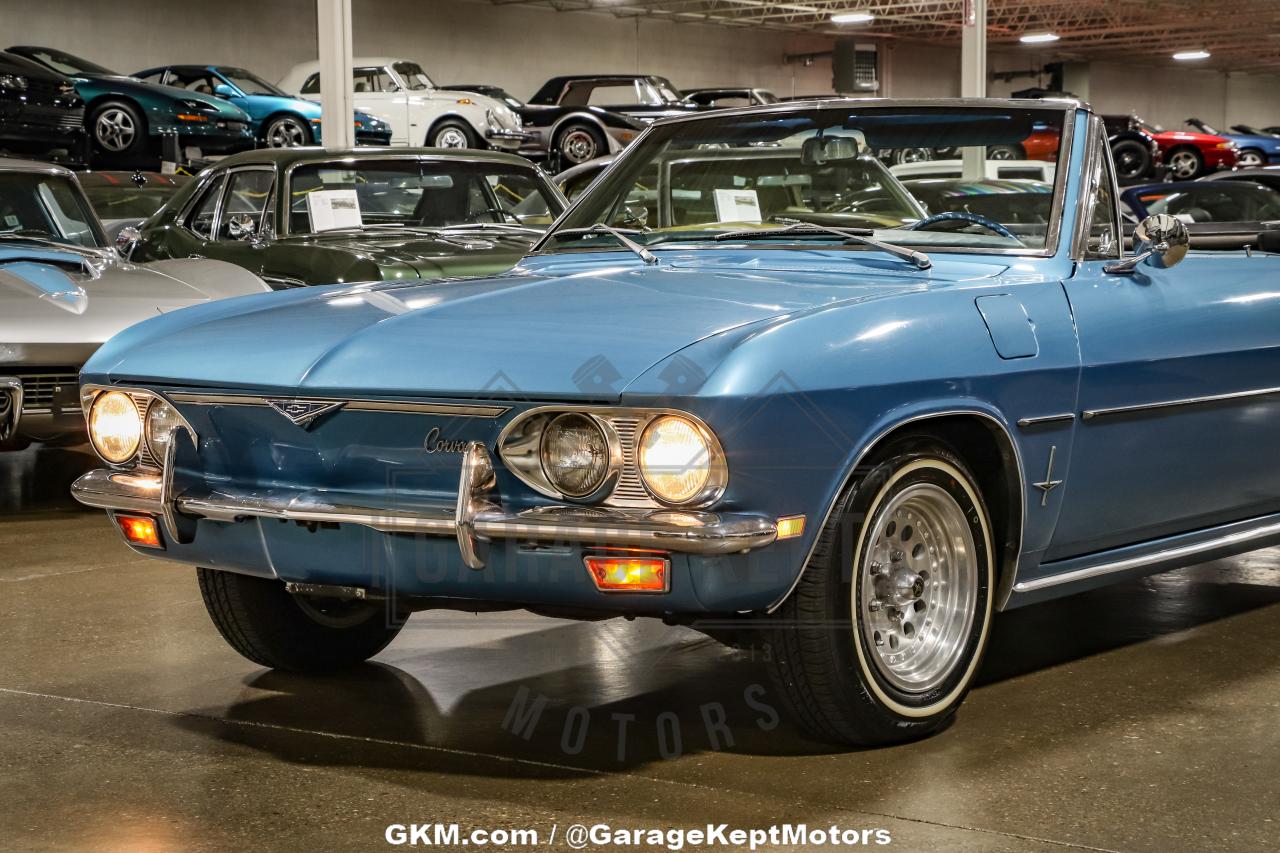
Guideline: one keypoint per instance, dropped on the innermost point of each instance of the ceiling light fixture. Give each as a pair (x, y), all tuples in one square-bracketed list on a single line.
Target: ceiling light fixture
[(1039, 38), (1191, 55), (853, 18)]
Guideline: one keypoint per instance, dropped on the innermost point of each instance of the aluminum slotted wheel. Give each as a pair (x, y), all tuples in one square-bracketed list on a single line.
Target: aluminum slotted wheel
[(920, 588), (286, 132)]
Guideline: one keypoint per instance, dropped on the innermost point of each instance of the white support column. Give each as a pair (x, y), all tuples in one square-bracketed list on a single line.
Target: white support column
[(973, 73), (973, 50), (333, 29)]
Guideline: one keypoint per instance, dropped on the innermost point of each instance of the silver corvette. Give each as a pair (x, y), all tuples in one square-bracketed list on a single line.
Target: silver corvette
[(64, 290)]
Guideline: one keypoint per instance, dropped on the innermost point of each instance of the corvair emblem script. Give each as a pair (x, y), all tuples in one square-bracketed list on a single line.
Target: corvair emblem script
[(304, 413), (435, 444)]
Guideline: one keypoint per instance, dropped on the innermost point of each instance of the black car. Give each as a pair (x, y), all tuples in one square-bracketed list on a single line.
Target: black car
[(40, 112), (584, 116), (1137, 155)]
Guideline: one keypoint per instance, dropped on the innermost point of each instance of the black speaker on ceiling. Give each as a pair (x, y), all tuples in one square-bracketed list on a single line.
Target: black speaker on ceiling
[(854, 67)]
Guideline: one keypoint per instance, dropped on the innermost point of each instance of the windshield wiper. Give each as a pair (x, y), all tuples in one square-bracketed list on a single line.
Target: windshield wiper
[(509, 227), (919, 259), (618, 234)]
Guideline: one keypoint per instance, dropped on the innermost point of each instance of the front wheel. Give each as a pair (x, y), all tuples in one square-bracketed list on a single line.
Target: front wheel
[(118, 128), (1250, 158), (286, 132), (1186, 164), (273, 628), (882, 638), (453, 134)]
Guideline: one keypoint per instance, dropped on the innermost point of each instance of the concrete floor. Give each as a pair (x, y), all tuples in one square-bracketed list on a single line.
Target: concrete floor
[(1143, 717)]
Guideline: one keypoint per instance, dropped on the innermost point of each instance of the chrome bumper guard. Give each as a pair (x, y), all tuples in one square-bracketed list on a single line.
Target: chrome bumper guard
[(503, 133), (474, 519)]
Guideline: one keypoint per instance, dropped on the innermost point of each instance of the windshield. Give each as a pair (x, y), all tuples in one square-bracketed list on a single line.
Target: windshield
[(1215, 201), (65, 63), (414, 77), (46, 207), (690, 180), (117, 196), (418, 194), (249, 83)]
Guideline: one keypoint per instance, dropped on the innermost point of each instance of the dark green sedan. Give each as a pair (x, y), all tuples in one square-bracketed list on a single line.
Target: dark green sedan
[(298, 216)]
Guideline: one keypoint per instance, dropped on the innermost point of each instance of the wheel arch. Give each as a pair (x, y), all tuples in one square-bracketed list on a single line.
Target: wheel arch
[(577, 118), (980, 435), (106, 97), (451, 117)]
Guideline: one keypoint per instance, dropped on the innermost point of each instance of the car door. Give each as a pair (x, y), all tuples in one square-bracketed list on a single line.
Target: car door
[(242, 213), (1178, 404), (376, 91)]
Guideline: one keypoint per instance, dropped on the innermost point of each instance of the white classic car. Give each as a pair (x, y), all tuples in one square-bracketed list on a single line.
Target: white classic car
[(420, 113)]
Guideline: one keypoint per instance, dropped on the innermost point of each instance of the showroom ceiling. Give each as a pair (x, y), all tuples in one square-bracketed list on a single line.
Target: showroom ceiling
[(1240, 35)]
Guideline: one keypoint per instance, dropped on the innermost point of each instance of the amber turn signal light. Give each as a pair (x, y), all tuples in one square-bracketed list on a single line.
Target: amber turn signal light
[(629, 574), (790, 527), (140, 530)]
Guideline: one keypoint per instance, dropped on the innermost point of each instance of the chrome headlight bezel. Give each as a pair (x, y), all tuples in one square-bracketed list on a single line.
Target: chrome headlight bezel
[(519, 447), (144, 456)]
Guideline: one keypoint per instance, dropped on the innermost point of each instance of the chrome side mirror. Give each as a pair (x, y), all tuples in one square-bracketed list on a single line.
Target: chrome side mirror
[(1160, 240), (127, 240), (240, 226)]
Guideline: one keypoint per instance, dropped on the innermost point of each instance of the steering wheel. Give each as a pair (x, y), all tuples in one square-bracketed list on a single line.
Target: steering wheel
[(502, 215), (965, 217)]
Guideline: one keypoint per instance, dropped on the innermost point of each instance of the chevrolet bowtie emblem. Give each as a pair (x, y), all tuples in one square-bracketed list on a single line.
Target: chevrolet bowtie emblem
[(304, 413)]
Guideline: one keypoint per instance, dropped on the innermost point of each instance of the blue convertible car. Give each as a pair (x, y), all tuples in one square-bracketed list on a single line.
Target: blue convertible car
[(749, 383)]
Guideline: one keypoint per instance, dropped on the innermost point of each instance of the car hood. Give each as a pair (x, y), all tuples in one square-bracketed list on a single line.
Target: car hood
[(1169, 137), (1254, 140), (425, 256), (69, 297), (548, 332)]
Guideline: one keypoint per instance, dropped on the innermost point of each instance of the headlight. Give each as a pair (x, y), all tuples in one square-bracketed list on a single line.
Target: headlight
[(161, 419), (115, 427), (675, 459), (575, 454)]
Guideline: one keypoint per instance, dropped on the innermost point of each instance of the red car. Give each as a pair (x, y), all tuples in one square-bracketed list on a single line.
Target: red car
[(1190, 155)]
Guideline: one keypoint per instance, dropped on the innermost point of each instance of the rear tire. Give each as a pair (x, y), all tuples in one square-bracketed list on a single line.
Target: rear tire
[(882, 638), (1132, 159), (580, 143), (276, 629)]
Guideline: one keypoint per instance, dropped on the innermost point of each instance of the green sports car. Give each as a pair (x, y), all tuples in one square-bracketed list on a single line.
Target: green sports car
[(125, 117), (300, 216)]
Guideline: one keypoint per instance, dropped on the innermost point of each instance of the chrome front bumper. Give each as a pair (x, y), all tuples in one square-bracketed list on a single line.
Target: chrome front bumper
[(474, 519)]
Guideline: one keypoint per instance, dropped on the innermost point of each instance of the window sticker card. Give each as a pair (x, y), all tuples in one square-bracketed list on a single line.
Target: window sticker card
[(333, 209), (737, 206)]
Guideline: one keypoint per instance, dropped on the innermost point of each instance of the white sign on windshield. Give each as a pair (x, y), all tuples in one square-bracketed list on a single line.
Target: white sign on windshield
[(333, 209), (737, 206)]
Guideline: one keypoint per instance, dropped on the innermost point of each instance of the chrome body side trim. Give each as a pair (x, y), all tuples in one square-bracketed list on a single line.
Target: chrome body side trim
[(460, 410), (1094, 414), (1239, 537), (1008, 583), (1028, 423)]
